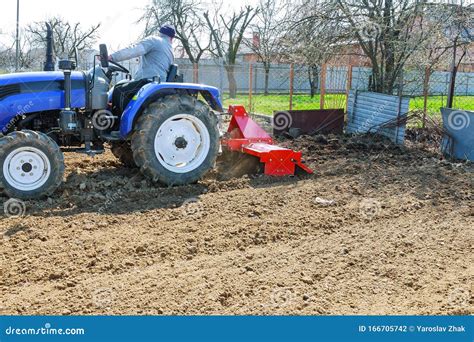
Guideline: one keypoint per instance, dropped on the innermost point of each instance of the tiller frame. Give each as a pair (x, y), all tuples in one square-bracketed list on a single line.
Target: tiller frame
[(245, 136)]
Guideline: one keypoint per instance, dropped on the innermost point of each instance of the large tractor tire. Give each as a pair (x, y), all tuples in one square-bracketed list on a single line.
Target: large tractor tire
[(32, 165), (176, 140), (123, 152)]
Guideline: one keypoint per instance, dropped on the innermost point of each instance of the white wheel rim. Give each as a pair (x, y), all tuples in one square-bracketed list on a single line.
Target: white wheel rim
[(182, 143), (26, 168)]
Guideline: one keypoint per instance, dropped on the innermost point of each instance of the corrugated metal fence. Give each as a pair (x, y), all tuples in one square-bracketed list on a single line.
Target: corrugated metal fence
[(367, 112), (212, 72)]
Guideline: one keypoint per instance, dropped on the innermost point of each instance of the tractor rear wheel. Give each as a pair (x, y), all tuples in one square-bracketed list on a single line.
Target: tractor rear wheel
[(123, 152), (176, 140), (32, 165)]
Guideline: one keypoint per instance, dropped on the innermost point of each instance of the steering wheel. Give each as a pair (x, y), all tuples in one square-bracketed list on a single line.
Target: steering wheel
[(105, 63), (118, 67)]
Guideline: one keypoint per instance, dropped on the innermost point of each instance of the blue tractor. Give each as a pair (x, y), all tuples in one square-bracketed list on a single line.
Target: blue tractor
[(167, 129)]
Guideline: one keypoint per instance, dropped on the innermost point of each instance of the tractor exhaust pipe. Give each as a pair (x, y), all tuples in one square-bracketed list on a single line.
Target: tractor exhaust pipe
[(67, 117), (49, 64)]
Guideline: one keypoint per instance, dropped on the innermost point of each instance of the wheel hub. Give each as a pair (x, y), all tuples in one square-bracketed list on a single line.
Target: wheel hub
[(182, 143), (26, 168)]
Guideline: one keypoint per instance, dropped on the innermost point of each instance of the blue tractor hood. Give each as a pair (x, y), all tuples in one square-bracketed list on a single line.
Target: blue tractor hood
[(41, 76), (31, 92)]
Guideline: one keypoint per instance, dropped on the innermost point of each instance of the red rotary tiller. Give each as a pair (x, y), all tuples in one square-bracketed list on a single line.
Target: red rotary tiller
[(245, 136)]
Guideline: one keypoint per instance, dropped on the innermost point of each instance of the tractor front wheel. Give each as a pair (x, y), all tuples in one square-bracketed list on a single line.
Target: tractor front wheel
[(176, 140), (32, 165)]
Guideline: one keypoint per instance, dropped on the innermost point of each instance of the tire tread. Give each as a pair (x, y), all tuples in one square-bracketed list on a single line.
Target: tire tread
[(49, 146)]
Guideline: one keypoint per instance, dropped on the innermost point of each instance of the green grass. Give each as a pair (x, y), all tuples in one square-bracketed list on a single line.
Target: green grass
[(267, 104), (436, 102)]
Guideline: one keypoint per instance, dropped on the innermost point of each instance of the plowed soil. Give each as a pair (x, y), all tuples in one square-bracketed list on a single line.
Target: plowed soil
[(378, 229)]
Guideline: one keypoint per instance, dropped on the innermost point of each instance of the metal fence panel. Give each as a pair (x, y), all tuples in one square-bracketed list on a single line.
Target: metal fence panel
[(368, 111), (212, 72)]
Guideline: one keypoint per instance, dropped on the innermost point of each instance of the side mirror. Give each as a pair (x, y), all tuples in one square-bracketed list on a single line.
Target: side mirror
[(104, 56)]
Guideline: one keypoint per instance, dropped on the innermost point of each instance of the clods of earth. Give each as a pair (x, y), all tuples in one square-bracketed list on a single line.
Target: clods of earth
[(378, 229)]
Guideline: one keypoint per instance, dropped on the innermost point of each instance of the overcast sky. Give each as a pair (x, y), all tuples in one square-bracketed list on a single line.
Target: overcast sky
[(118, 18)]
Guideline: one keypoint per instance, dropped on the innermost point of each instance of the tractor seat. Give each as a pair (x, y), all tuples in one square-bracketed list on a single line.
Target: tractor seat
[(125, 90), (173, 75)]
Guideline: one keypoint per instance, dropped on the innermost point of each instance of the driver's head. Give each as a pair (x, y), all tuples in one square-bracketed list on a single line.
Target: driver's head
[(168, 30)]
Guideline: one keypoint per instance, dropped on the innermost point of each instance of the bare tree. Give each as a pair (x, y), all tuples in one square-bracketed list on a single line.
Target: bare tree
[(186, 17), (7, 58), (311, 40), (227, 35), (26, 57), (448, 26), (432, 53), (388, 31), (268, 30), (68, 38)]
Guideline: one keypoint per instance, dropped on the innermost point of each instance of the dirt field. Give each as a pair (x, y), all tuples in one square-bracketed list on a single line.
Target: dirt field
[(378, 229)]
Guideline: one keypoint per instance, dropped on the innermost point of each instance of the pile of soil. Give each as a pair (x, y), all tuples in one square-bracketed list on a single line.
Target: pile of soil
[(378, 229)]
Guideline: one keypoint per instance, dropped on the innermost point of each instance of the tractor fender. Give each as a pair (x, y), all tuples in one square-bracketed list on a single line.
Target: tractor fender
[(152, 91)]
